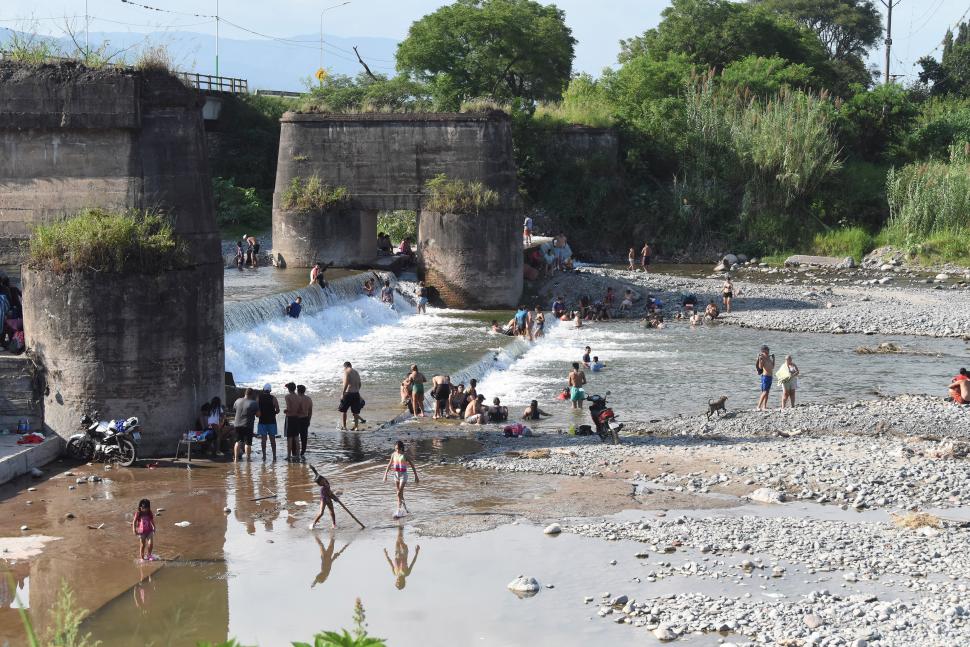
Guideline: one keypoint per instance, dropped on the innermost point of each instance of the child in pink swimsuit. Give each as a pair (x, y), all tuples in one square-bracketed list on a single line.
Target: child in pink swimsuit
[(143, 525)]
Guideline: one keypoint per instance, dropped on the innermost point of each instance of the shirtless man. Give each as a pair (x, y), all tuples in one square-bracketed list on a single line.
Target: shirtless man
[(533, 412), (475, 413), (417, 380), (766, 368), (350, 397), (576, 381), (645, 256), (441, 392)]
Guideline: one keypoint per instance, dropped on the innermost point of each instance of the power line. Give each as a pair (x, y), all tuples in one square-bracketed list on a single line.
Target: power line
[(181, 13), (948, 29)]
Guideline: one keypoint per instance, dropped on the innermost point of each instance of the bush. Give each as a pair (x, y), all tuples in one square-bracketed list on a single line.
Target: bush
[(849, 241), (154, 58), (457, 196), (311, 194), (239, 206), (104, 241), (398, 224)]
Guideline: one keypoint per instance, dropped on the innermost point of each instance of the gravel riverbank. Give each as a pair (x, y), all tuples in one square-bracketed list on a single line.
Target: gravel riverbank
[(794, 300)]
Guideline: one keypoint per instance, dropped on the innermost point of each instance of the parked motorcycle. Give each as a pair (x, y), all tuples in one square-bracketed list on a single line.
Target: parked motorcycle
[(112, 441), (604, 420)]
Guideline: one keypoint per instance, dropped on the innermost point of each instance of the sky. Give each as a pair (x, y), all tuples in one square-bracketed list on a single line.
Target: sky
[(598, 25)]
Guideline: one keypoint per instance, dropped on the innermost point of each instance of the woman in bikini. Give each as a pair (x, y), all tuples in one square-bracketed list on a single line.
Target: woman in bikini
[(399, 463), (727, 293)]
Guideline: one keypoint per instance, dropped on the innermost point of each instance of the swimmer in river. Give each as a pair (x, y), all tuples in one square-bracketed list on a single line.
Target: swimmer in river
[(596, 365), (533, 412), (586, 359), (399, 463), (422, 296), (496, 327), (538, 323), (387, 294)]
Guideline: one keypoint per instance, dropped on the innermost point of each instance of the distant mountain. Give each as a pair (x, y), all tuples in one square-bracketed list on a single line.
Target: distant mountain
[(266, 64)]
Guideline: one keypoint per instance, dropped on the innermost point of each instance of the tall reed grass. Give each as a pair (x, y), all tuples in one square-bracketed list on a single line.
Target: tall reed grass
[(930, 197)]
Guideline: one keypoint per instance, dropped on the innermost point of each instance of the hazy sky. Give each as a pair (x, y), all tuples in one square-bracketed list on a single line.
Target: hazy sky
[(919, 25)]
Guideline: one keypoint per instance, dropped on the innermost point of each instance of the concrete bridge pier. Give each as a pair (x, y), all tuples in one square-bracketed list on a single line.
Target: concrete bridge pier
[(345, 235)]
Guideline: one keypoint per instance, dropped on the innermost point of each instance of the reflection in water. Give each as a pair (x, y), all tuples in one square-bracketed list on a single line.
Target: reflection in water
[(14, 579), (327, 558), (352, 444), (142, 592), (400, 567)]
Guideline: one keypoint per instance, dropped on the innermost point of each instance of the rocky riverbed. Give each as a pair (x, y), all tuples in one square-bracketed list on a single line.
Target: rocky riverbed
[(890, 302)]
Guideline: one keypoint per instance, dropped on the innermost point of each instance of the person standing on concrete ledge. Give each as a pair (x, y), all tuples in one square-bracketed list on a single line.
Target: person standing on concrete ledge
[(350, 398), (245, 408), (527, 231), (294, 309)]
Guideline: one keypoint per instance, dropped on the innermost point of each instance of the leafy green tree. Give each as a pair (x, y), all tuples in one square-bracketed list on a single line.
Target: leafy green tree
[(366, 93), (952, 74), (763, 76), (876, 124), (506, 50), (713, 33), (847, 28)]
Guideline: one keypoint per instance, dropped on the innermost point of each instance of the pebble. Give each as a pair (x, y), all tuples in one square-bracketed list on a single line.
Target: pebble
[(553, 529)]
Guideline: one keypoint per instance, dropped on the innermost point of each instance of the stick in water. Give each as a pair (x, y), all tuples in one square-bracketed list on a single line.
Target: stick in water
[(335, 498)]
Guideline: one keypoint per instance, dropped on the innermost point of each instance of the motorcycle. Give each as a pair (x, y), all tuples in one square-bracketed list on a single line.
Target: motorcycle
[(112, 441), (604, 420)]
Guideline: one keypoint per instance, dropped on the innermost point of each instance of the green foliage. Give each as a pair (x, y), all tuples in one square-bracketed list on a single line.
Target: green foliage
[(66, 619), (344, 94), (941, 123), (104, 241), (584, 102), (504, 49), (249, 140), (444, 195), (875, 124), (763, 77), (311, 194), (239, 206), (358, 638), (930, 197), (29, 48), (398, 224), (951, 75), (848, 241)]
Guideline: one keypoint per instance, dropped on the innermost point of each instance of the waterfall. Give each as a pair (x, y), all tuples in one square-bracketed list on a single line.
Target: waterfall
[(242, 315)]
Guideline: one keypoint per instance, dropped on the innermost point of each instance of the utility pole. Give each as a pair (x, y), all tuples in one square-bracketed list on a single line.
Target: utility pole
[(321, 28), (217, 37), (87, 30), (889, 4)]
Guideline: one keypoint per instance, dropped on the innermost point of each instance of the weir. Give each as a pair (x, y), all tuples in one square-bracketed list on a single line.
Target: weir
[(241, 315)]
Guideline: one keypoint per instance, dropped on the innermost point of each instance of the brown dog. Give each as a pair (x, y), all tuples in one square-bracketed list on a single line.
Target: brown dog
[(716, 406)]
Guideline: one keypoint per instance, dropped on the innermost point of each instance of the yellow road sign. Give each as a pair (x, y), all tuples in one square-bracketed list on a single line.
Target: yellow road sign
[(321, 75)]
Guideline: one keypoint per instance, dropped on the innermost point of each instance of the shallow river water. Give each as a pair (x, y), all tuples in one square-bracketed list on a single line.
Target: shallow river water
[(256, 573)]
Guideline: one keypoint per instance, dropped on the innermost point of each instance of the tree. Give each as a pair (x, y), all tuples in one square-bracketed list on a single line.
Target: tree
[(952, 74), (502, 49), (847, 28), (714, 33), (368, 93), (765, 76)]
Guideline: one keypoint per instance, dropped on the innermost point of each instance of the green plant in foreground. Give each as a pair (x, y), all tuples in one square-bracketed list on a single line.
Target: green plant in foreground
[(105, 241), (66, 619), (311, 194), (457, 196)]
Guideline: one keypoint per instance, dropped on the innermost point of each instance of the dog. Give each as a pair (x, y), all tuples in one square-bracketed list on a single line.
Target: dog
[(716, 406)]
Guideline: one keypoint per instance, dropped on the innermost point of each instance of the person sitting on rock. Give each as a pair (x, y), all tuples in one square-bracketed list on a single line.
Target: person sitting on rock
[(960, 387)]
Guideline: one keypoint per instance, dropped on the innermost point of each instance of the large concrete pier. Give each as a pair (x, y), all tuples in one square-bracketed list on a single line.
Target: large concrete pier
[(148, 345)]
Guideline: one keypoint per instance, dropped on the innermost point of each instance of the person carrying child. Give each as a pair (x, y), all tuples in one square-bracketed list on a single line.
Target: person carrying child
[(143, 525)]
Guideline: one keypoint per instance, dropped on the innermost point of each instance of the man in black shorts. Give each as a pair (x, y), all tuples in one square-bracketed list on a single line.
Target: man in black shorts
[(244, 421), (350, 397)]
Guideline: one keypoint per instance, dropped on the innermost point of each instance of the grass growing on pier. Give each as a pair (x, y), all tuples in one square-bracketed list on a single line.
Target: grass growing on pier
[(311, 194), (105, 241), (457, 196)]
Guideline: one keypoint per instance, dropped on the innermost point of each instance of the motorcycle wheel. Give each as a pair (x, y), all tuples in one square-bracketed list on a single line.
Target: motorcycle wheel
[(79, 449), (126, 452), (615, 436)]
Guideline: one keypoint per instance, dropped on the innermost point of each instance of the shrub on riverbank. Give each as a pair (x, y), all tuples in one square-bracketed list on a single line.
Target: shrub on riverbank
[(457, 196), (848, 241), (106, 241), (311, 194), (932, 197)]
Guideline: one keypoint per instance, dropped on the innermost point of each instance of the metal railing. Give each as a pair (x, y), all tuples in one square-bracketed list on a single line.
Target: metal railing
[(212, 83)]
